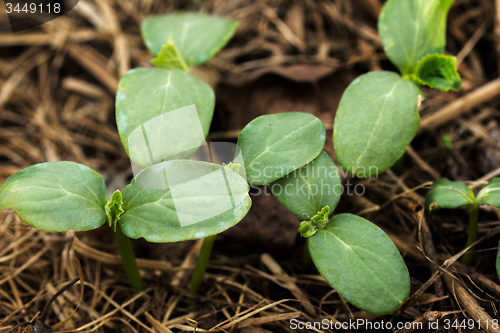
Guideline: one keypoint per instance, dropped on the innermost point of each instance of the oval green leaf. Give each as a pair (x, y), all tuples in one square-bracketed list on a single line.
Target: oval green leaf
[(56, 196), (305, 191), (411, 29), (162, 114), (274, 145), (197, 36), (447, 194), (438, 71), (490, 194), (376, 120), (361, 263), (182, 199)]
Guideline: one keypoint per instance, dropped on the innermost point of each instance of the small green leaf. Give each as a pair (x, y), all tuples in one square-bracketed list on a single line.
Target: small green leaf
[(197, 36), (274, 145), (114, 209), (56, 196), (321, 219), (183, 199), (162, 114), (447, 141), (490, 194), (376, 120), (438, 71), (307, 229), (361, 263), (411, 29), (233, 166), (305, 191), (169, 57), (447, 194)]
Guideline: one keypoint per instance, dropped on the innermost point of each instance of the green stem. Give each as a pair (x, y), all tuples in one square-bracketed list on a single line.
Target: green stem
[(128, 259), (201, 264), (473, 218), (307, 262)]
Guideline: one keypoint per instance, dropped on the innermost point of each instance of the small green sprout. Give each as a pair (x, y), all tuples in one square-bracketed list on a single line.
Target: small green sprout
[(353, 255), (447, 141), (309, 228), (114, 209), (61, 196), (233, 166), (169, 57), (448, 194), (378, 116)]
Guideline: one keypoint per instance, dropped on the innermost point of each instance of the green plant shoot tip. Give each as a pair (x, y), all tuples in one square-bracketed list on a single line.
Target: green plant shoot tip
[(447, 141), (438, 71), (471, 195), (114, 209), (309, 228), (233, 166), (169, 57), (321, 218)]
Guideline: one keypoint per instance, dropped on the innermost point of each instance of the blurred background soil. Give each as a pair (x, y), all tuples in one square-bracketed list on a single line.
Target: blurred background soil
[(57, 86)]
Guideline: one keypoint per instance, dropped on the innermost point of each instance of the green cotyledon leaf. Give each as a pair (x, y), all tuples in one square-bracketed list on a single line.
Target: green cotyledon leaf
[(305, 191), (198, 36), (412, 29), (56, 196), (183, 199), (361, 263), (438, 71), (162, 114), (275, 145), (376, 120), (490, 194), (447, 194)]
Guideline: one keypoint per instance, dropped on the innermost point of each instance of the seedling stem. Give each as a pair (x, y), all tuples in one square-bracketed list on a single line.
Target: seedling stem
[(128, 259), (201, 263), (473, 218), (307, 262)]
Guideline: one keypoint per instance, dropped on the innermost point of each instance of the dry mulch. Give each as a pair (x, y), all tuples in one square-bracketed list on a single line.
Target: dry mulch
[(57, 103)]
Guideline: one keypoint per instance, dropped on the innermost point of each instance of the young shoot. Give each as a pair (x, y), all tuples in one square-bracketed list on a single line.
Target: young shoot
[(172, 199), (378, 117), (353, 255), (448, 194)]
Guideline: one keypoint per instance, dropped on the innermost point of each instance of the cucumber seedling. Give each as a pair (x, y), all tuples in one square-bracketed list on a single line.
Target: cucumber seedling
[(448, 194), (377, 117), (164, 201), (354, 256)]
